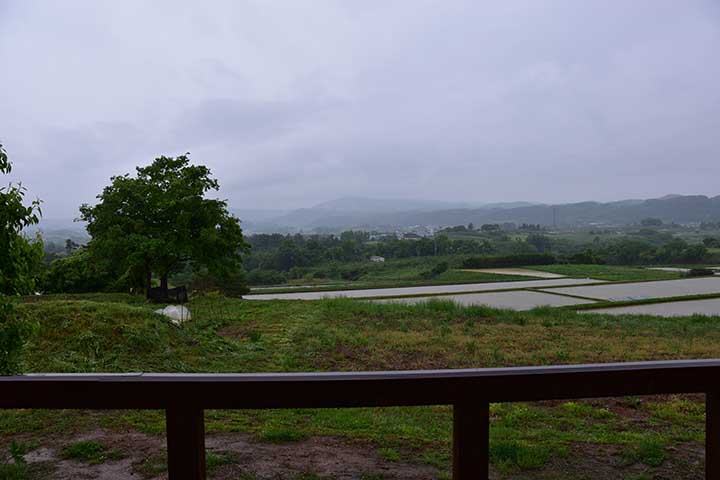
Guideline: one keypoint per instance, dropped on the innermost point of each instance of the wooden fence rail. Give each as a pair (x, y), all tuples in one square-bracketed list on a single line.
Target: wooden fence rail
[(184, 397)]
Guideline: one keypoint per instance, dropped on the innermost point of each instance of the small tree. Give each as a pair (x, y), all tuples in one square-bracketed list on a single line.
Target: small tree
[(159, 220), (541, 243), (19, 263)]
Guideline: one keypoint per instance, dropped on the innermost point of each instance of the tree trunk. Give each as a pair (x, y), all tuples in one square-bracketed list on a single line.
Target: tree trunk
[(148, 278), (164, 283)]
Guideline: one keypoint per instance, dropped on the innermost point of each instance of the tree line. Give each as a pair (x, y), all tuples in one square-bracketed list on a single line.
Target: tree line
[(277, 258)]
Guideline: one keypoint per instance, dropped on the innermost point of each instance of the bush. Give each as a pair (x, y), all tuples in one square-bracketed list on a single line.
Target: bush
[(266, 277), (517, 260), (352, 273), (711, 242), (700, 272), (438, 269), (233, 284), (588, 257), (77, 273), (694, 253)]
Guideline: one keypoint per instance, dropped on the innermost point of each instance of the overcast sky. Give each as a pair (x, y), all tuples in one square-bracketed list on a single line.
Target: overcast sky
[(292, 102)]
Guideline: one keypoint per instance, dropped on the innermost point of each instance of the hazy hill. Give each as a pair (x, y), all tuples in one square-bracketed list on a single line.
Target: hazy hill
[(369, 213), (389, 214)]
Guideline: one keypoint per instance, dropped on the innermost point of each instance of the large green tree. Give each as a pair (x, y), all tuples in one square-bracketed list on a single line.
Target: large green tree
[(20, 260), (158, 221)]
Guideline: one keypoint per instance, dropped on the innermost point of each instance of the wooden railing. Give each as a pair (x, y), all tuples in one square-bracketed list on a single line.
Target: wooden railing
[(185, 396)]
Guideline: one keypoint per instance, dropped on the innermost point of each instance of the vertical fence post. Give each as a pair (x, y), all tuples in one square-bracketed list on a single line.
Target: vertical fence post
[(471, 441), (712, 436), (185, 443)]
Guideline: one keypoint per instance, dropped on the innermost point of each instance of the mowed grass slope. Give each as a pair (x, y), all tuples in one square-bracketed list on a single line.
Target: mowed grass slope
[(403, 272), (611, 273), (112, 333)]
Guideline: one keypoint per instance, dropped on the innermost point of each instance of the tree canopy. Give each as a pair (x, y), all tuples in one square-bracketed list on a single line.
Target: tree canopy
[(19, 257), (20, 260), (159, 220)]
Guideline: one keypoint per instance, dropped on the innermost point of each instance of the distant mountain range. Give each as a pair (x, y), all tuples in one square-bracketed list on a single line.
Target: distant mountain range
[(365, 213), (392, 214)]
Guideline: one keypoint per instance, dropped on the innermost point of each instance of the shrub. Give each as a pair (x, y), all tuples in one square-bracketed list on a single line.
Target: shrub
[(438, 269), (266, 277), (700, 272), (588, 257), (77, 273), (231, 284), (352, 273), (711, 242)]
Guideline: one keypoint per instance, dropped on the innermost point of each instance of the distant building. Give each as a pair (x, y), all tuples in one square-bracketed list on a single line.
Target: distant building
[(377, 259)]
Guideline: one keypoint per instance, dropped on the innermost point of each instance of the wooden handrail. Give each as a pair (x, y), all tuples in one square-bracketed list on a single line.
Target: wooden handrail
[(470, 391)]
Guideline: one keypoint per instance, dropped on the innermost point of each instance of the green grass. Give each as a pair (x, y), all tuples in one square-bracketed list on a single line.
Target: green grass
[(389, 454), (279, 434), (80, 333), (400, 273), (608, 272), (18, 469), (513, 453), (649, 451), (89, 452), (14, 472), (215, 460)]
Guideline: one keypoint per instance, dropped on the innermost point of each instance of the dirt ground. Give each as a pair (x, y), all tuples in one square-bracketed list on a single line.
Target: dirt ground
[(243, 457), (142, 457)]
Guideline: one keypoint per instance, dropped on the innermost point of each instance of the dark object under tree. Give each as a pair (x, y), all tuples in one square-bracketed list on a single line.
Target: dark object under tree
[(168, 295)]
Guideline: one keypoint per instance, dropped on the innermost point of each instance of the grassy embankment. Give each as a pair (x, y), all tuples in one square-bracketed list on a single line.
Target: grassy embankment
[(611, 273), (404, 272), (631, 438), (408, 272)]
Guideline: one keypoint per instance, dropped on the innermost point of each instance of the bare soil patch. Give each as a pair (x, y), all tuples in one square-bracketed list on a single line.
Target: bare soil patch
[(144, 457)]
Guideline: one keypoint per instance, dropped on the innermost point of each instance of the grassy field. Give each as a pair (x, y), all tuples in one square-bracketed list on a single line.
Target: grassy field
[(611, 273), (408, 272), (401, 273), (639, 438)]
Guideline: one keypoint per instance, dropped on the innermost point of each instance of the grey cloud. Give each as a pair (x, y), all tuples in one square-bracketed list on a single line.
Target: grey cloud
[(231, 120), (292, 103)]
